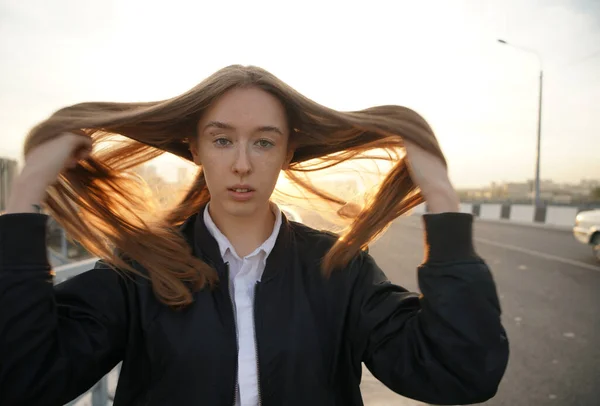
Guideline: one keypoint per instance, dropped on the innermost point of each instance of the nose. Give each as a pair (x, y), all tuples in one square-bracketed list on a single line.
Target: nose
[(241, 164)]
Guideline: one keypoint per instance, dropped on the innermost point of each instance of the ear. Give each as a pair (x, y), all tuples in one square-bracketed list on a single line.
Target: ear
[(291, 149), (193, 146), (288, 159)]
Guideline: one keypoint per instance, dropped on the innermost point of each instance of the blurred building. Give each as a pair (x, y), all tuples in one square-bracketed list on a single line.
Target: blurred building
[(514, 190), (8, 172), (183, 176), (165, 193), (148, 172), (552, 192)]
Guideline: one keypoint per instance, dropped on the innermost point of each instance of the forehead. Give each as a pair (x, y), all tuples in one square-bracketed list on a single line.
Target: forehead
[(247, 106)]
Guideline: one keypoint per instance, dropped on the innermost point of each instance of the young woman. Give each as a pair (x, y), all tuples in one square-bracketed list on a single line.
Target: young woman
[(224, 301)]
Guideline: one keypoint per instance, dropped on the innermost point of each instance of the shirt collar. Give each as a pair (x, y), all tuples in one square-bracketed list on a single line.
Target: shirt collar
[(225, 244)]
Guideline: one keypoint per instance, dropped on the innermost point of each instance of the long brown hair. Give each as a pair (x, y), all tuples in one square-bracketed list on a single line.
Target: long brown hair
[(103, 206)]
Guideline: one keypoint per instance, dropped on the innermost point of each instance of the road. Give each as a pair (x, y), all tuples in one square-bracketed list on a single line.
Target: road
[(549, 288)]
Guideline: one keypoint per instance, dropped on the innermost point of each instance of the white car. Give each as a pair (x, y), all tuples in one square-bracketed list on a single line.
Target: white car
[(587, 229)]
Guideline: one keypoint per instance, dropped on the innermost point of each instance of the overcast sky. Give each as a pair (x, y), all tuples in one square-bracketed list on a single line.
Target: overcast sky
[(439, 57)]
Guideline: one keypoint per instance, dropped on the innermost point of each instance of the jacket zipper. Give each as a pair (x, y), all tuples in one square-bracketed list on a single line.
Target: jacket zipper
[(256, 345), (235, 388)]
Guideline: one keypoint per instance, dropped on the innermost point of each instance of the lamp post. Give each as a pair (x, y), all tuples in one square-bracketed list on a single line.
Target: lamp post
[(536, 191)]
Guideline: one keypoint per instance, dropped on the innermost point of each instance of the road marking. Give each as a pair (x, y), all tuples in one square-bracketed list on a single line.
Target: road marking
[(538, 254)]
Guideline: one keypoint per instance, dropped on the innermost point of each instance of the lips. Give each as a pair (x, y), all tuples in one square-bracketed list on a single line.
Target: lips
[(241, 193), (241, 188)]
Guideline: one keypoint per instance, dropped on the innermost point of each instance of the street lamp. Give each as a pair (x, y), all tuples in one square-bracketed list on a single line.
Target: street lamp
[(536, 192)]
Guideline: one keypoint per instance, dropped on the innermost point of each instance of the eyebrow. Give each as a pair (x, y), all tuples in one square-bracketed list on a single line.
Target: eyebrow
[(225, 126)]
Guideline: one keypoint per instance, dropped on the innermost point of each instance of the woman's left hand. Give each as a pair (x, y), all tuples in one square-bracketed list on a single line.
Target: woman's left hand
[(430, 174)]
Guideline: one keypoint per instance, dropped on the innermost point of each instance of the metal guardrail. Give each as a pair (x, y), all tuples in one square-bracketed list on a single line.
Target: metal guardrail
[(100, 393), (64, 272)]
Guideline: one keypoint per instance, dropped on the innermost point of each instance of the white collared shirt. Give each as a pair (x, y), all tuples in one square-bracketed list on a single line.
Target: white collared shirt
[(244, 273)]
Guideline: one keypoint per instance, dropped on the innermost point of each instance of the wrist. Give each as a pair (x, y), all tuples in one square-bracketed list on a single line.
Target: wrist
[(26, 195), (442, 200)]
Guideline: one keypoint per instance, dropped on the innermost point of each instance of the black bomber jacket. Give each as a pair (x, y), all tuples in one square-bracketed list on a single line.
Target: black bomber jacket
[(446, 346)]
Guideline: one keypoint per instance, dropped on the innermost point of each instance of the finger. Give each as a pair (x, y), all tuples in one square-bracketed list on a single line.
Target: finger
[(80, 138), (84, 146), (83, 154), (83, 151)]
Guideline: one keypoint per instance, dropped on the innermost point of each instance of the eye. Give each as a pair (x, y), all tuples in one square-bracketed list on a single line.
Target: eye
[(222, 142), (264, 143)]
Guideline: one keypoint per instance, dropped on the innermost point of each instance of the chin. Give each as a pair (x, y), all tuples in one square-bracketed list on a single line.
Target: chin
[(241, 209)]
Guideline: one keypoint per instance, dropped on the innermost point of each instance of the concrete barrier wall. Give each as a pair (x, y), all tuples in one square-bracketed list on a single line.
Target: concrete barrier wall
[(561, 216), (522, 213), (553, 216), (490, 211), (466, 208)]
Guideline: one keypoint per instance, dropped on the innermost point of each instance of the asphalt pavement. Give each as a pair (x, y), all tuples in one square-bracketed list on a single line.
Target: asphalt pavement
[(549, 286)]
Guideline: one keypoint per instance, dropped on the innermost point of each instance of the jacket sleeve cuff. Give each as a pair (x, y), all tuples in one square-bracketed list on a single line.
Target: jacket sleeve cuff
[(448, 237), (23, 240)]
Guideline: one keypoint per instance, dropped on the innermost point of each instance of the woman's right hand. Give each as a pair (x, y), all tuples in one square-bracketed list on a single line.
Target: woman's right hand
[(49, 159), (43, 164)]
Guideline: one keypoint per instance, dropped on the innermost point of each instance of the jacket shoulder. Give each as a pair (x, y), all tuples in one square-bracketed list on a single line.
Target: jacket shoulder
[(313, 239), (312, 245)]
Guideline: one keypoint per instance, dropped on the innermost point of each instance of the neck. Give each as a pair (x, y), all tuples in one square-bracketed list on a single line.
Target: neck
[(246, 233)]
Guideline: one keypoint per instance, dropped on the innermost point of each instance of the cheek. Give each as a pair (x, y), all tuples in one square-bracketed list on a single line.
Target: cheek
[(268, 164), (214, 168)]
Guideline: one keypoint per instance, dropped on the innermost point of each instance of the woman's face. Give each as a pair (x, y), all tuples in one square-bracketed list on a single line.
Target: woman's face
[(242, 146)]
